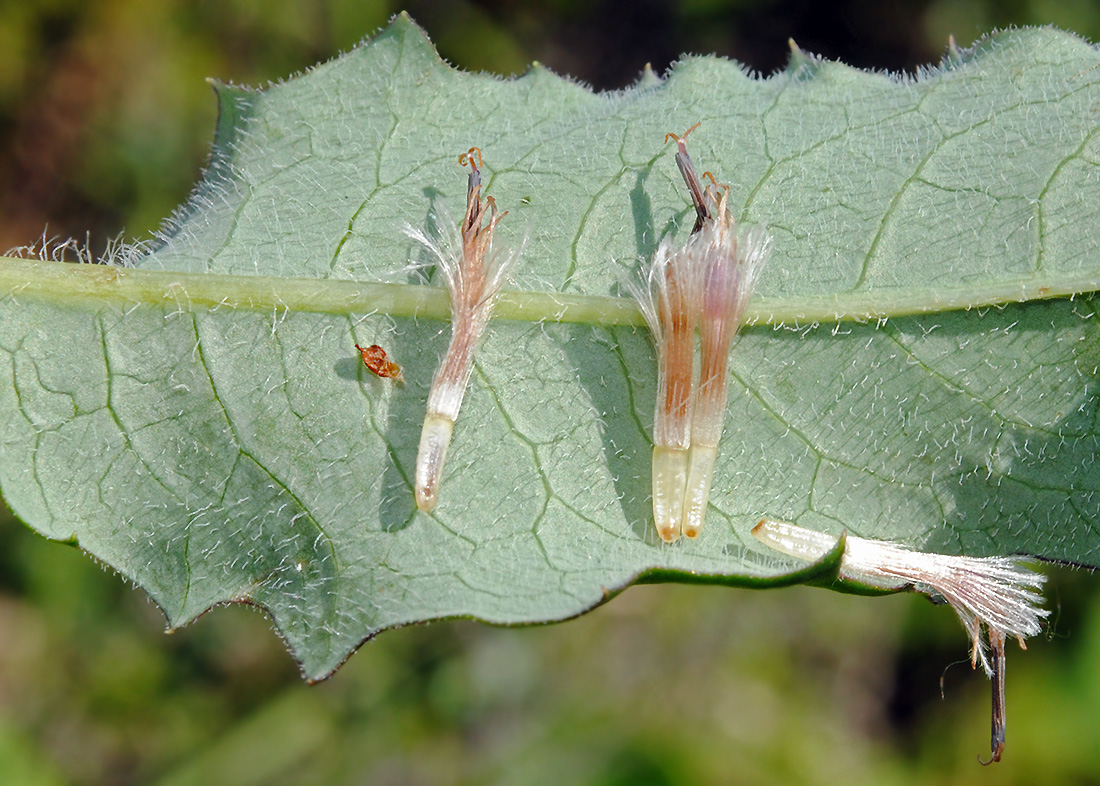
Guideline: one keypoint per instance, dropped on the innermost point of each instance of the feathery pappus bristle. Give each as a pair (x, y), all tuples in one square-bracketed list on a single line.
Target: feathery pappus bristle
[(703, 284), (666, 302), (730, 260), (998, 594), (474, 272)]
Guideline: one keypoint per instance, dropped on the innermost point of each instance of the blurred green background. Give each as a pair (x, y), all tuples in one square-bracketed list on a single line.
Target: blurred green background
[(105, 120)]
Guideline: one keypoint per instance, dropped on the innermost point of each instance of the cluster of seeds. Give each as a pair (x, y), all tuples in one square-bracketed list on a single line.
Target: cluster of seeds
[(700, 287)]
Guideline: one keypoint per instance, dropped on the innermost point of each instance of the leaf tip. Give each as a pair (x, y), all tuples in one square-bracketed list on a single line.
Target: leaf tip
[(649, 78), (802, 63), (406, 29), (402, 20)]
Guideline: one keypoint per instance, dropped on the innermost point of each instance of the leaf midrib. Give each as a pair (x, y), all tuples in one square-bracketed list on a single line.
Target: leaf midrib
[(46, 280)]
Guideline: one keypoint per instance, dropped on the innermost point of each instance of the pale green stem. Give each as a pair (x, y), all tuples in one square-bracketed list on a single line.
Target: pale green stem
[(68, 282)]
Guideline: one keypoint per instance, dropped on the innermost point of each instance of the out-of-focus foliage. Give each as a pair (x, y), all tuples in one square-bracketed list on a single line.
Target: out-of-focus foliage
[(790, 686), (105, 117)]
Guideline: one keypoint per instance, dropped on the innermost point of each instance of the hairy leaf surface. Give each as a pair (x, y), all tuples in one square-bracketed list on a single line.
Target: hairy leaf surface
[(199, 419)]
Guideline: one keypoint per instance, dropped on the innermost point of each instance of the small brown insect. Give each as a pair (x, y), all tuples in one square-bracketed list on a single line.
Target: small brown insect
[(375, 358)]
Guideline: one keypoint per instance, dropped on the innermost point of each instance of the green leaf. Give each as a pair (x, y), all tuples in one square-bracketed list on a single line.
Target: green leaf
[(199, 419)]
